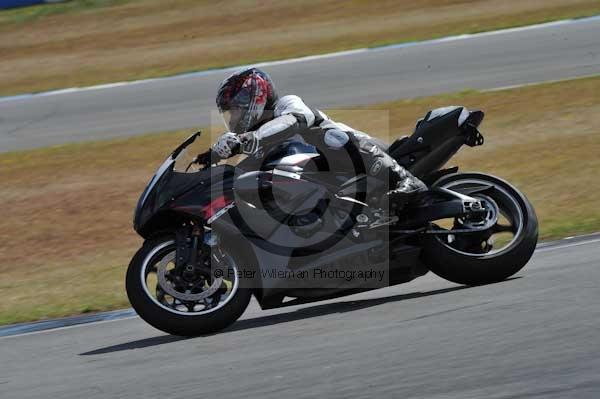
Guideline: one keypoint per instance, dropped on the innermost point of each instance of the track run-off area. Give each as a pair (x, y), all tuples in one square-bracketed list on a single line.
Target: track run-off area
[(552, 51)]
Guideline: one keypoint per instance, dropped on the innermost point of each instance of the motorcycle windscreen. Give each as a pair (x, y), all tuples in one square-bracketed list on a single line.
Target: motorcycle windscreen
[(170, 186)]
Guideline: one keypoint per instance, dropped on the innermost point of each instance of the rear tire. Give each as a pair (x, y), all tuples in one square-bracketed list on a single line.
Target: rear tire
[(172, 323), (484, 268)]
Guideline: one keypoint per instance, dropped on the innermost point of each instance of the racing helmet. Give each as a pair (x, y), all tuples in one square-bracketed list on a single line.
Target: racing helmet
[(243, 97)]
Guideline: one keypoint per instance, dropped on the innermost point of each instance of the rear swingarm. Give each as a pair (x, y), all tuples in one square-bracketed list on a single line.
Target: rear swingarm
[(438, 231), (456, 205)]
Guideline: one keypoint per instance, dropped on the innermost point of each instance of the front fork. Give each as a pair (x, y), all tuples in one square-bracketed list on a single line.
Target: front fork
[(188, 239), (197, 252)]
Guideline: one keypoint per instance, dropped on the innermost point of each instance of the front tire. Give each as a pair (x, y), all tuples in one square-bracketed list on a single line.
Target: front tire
[(479, 265), (173, 321)]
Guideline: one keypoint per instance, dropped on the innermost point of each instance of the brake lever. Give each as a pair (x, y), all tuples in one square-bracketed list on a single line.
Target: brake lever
[(204, 159)]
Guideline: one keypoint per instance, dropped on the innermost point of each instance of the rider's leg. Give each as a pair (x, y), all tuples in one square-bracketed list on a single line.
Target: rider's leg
[(367, 158), (403, 187)]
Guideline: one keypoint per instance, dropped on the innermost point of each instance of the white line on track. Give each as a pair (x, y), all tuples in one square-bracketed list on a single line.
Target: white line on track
[(576, 244), (544, 247), (544, 82), (306, 58), (67, 327)]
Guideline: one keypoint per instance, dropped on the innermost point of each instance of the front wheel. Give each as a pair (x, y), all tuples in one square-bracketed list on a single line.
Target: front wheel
[(491, 255), (190, 302)]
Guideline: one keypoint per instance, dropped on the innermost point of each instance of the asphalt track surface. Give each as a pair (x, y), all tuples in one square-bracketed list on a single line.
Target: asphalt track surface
[(518, 56), (534, 336)]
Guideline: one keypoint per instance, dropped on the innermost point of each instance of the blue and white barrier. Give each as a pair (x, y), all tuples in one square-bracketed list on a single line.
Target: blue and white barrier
[(24, 3)]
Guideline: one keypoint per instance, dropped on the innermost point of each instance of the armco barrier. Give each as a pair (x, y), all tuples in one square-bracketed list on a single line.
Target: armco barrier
[(24, 3)]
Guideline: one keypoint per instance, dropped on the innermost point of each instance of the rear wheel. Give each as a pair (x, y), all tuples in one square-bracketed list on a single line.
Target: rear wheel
[(194, 301), (505, 240)]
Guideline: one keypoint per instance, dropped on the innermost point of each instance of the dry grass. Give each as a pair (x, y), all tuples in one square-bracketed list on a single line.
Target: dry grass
[(65, 220), (93, 41)]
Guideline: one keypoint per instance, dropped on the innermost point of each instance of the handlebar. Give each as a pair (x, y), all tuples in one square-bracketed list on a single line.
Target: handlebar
[(203, 158), (206, 158)]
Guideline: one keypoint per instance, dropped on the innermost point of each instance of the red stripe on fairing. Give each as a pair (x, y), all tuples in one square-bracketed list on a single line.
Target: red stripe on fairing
[(215, 206)]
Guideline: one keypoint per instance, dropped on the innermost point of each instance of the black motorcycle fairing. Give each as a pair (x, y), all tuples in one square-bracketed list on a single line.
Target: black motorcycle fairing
[(278, 156), (213, 192), (271, 240), (249, 185), (286, 149), (176, 196), (415, 152), (436, 140), (148, 202), (402, 260)]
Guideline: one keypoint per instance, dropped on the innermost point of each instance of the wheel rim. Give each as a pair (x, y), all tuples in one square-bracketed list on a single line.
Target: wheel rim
[(510, 220), (196, 299)]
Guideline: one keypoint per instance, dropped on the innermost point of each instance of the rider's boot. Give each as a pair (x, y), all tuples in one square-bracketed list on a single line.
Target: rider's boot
[(408, 190)]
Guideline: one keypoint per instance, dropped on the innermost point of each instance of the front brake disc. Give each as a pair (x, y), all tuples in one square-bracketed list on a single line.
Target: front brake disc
[(166, 285)]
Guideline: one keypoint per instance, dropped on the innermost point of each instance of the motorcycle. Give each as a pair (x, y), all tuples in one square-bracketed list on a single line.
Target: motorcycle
[(286, 229)]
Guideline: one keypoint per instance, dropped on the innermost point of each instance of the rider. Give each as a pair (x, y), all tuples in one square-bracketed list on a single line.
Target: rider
[(257, 118)]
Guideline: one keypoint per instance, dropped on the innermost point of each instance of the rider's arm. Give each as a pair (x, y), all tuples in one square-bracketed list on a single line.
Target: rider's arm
[(291, 116)]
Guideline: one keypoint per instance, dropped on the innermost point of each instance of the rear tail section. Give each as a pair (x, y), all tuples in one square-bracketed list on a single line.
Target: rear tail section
[(437, 137)]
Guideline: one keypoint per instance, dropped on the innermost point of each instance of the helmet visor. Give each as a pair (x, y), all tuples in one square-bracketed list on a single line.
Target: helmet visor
[(233, 119)]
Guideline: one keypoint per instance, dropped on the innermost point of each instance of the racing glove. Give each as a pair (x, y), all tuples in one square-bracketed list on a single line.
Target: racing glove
[(227, 145)]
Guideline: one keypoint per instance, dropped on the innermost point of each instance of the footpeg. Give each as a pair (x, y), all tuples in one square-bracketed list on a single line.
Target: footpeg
[(379, 219), (384, 221)]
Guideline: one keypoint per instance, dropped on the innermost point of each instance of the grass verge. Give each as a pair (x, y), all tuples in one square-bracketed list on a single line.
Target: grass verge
[(66, 212), (85, 42)]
